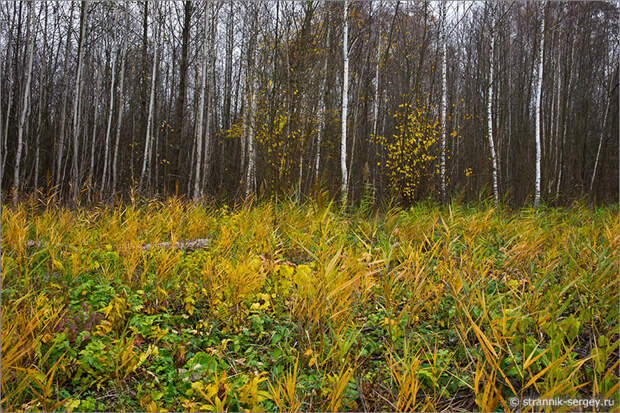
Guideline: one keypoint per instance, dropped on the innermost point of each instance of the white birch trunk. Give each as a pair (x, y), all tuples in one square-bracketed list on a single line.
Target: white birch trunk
[(244, 96), (147, 138), (119, 121), (25, 107), (323, 97), (38, 133), (63, 117), (444, 94), (2, 144), (490, 110), (375, 115), (210, 96), (556, 129), (600, 143), (91, 169), (244, 136), (199, 121), (345, 101), (109, 125), (538, 102), (41, 91), (76, 104), (251, 172)]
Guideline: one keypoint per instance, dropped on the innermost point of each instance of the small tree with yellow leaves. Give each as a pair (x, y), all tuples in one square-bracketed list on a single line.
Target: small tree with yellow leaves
[(411, 152)]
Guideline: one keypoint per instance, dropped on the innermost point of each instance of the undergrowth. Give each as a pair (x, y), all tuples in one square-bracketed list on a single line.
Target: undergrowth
[(306, 307)]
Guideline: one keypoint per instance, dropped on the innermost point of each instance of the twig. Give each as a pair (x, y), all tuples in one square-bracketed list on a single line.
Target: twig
[(189, 245), (389, 402)]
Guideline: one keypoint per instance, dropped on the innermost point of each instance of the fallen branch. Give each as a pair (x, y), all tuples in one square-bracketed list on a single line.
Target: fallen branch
[(189, 245)]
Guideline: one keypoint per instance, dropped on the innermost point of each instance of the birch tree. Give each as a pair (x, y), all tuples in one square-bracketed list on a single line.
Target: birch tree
[(6, 131), (25, 106), (41, 105), (91, 169), (377, 100), (323, 97), (603, 130), (76, 101), (345, 100), (490, 105), (106, 149), (379, 91), (201, 101), (229, 67), (211, 93), (538, 102), (181, 103), (119, 119), (444, 94), (250, 178), (149, 121), (65, 97)]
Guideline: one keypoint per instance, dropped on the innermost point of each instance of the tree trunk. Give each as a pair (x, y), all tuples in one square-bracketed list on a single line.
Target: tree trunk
[(91, 169), (25, 107), (76, 101), (600, 142), (210, 96), (345, 101), (245, 45), (444, 94), (377, 101), (538, 102), (109, 125), (6, 133), (490, 109), (355, 122), (251, 171), (182, 96), (119, 119), (228, 70), (3, 147), (323, 97), (199, 121), (37, 143), (567, 105), (147, 138), (250, 179), (63, 116)]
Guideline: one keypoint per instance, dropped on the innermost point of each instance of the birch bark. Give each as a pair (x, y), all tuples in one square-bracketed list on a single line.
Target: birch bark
[(345, 100), (490, 109), (76, 103), (147, 138), (119, 119), (109, 125), (444, 94), (25, 107), (538, 102), (199, 121)]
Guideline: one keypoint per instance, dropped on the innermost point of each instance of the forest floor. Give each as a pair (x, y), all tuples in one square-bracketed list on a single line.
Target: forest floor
[(306, 307)]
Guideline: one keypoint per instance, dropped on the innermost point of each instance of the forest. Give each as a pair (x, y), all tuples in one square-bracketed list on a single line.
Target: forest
[(396, 99), (309, 205)]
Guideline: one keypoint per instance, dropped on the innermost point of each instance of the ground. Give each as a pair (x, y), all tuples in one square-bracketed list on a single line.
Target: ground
[(306, 307)]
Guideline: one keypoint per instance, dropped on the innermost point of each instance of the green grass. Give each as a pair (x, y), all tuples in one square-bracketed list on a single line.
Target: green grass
[(307, 307)]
